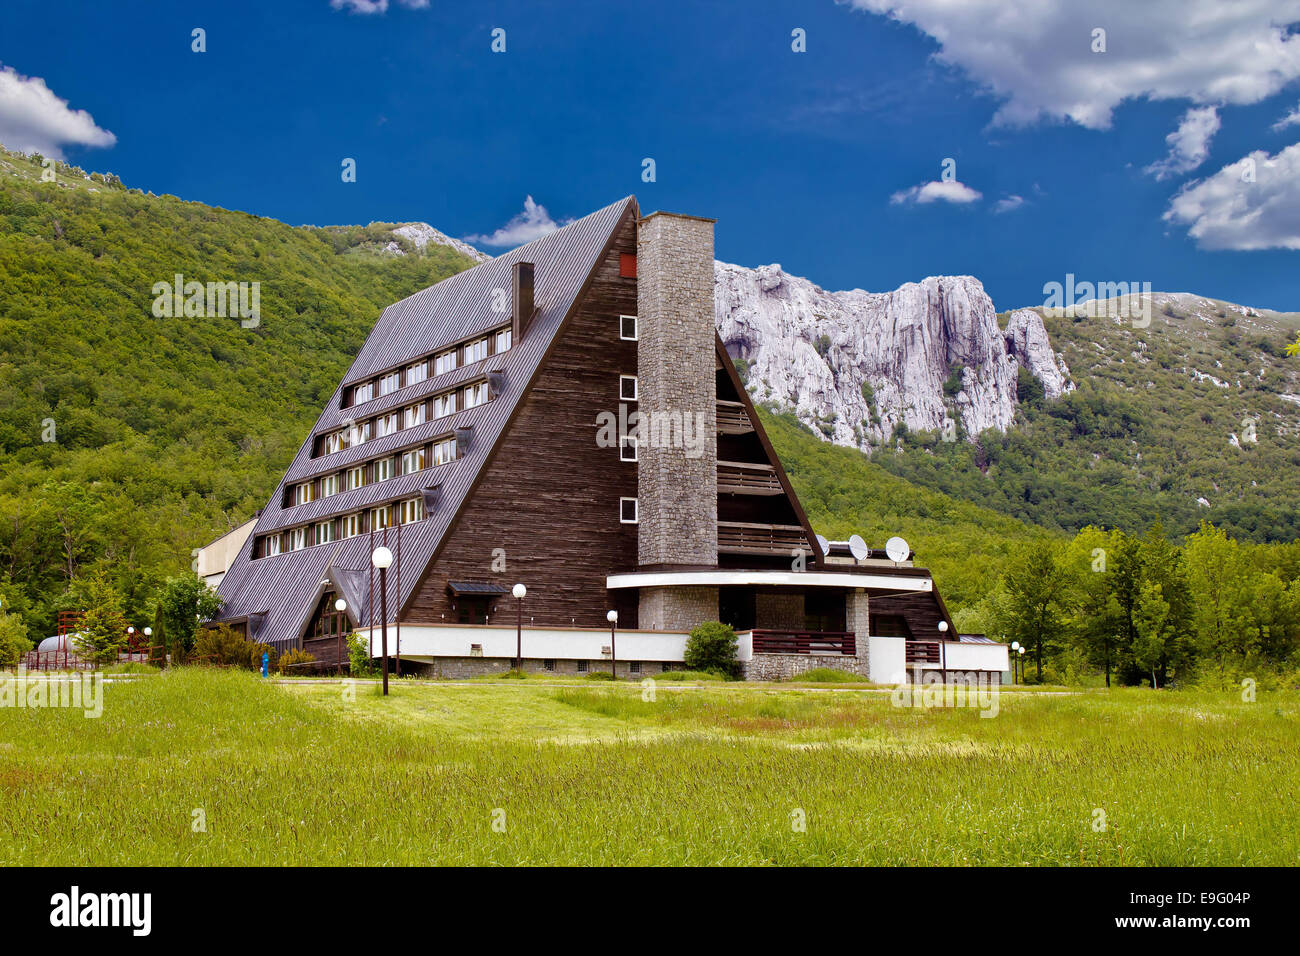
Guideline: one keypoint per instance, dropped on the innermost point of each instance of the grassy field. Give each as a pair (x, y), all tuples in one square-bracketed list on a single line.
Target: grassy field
[(519, 772)]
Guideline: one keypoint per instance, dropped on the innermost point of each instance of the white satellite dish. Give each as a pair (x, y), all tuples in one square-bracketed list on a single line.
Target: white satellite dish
[(897, 549), (824, 545), (858, 547)]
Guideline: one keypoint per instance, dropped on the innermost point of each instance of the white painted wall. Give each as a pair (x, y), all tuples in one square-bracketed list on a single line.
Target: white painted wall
[(889, 658), (426, 642), (976, 657)]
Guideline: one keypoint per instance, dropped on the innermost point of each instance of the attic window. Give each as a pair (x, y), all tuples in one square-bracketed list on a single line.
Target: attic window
[(627, 266)]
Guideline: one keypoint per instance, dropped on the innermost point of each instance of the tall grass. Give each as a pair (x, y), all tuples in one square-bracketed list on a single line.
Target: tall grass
[(599, 775)]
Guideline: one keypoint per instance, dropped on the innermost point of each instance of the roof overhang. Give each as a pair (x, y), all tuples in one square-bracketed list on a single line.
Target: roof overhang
[(806, 579)]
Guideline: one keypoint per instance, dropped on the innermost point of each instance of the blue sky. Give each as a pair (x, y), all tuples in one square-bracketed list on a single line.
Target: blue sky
[(806, 159)]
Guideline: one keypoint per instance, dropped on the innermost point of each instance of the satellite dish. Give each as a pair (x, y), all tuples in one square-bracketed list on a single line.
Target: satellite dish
[(897, 549), (858, 547), (824, 545)]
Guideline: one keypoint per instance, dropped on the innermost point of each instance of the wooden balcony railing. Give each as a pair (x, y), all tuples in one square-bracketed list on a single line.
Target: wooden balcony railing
[(733, 419), (804, 642), (921, 652), (738, 537), (743, 478)]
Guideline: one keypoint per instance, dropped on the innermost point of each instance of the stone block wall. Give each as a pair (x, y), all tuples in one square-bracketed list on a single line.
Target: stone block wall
[(787, 666), (676, 608)]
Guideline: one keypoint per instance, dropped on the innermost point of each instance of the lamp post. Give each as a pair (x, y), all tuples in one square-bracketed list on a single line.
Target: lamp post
[(148, 633), (1021, 654), (341, 606), (1015, 646), (382, 558), (519, 591), (612, 617)]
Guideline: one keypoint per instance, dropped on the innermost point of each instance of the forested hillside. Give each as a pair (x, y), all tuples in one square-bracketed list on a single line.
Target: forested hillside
[(127, 440)]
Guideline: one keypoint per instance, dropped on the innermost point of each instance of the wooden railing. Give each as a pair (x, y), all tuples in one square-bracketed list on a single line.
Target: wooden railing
[(804, 642), (743, 478), (733, 419), (922, 652), (738, 537)]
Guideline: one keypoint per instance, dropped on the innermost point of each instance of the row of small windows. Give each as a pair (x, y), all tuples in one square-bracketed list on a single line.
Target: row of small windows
[(390, 423), (379, 469), (634, 667), (494, 343), (343, 526)]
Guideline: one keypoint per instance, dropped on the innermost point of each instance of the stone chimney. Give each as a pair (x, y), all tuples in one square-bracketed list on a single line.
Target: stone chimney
[(677, 397)]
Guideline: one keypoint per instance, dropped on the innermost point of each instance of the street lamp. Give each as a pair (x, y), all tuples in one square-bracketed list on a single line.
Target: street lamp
[(1021, 652), (382, 558), (1015, 646), (612, 617), (341, 606), (519, 591)]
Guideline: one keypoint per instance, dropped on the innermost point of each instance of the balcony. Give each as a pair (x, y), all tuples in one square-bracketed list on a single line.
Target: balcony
[(739, 537), (733, 419), (743, 478), (804, 642), (922, 652)]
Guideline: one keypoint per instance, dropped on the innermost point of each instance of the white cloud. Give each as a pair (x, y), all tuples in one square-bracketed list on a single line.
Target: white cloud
[(1189, 145), (943, 190), (1008, 203), (33, 119), (1036, 57), (1226, 211), (1291, 119), (375, 6), (533, 223)]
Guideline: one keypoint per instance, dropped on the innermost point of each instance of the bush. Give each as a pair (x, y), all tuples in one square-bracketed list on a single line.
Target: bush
[(599, 675), (13, 639), (712, 647), (360, 663), (224, 646), (687, 675), (294, 656)]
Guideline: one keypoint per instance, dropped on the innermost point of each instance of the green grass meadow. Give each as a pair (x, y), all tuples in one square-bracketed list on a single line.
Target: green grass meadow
[(521, 772)]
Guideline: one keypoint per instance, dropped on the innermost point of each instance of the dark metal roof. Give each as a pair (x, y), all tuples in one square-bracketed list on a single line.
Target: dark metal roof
[(287, 585), (475, 587)]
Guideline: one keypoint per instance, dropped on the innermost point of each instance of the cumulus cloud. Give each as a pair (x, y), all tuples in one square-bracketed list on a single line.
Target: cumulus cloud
[(939, 191), (1253, 203), (33, 119), (375, 6), (1189, 145), (1291, 119), (533, 223), (1037, 58)]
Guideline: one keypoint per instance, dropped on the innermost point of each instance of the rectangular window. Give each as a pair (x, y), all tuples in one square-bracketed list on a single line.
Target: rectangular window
[(417, 372), (582, 667), (356, 434), (379, 517), (627, 388), (334, 442), (444, 362), (297, 539), (634, 667), (627, 450), (627, 328), (351, 526), (356, 477), (329, 485), (324, 532), (444, 404), (476, 351), (413, 415), (412, 510), (412, 461), (303, 493), (548, 665), (389, 383), (627, 511), (363, 393), (383, 469), (501, 342), (386, 425), (666, 666), (475, 394), (272, 545), (444, 451)]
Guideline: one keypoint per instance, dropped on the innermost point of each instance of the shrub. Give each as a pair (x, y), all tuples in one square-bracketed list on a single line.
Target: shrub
[(687, 675), (292, 657), (600, 675), (360, 663), (13, 639), (712, 647)]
